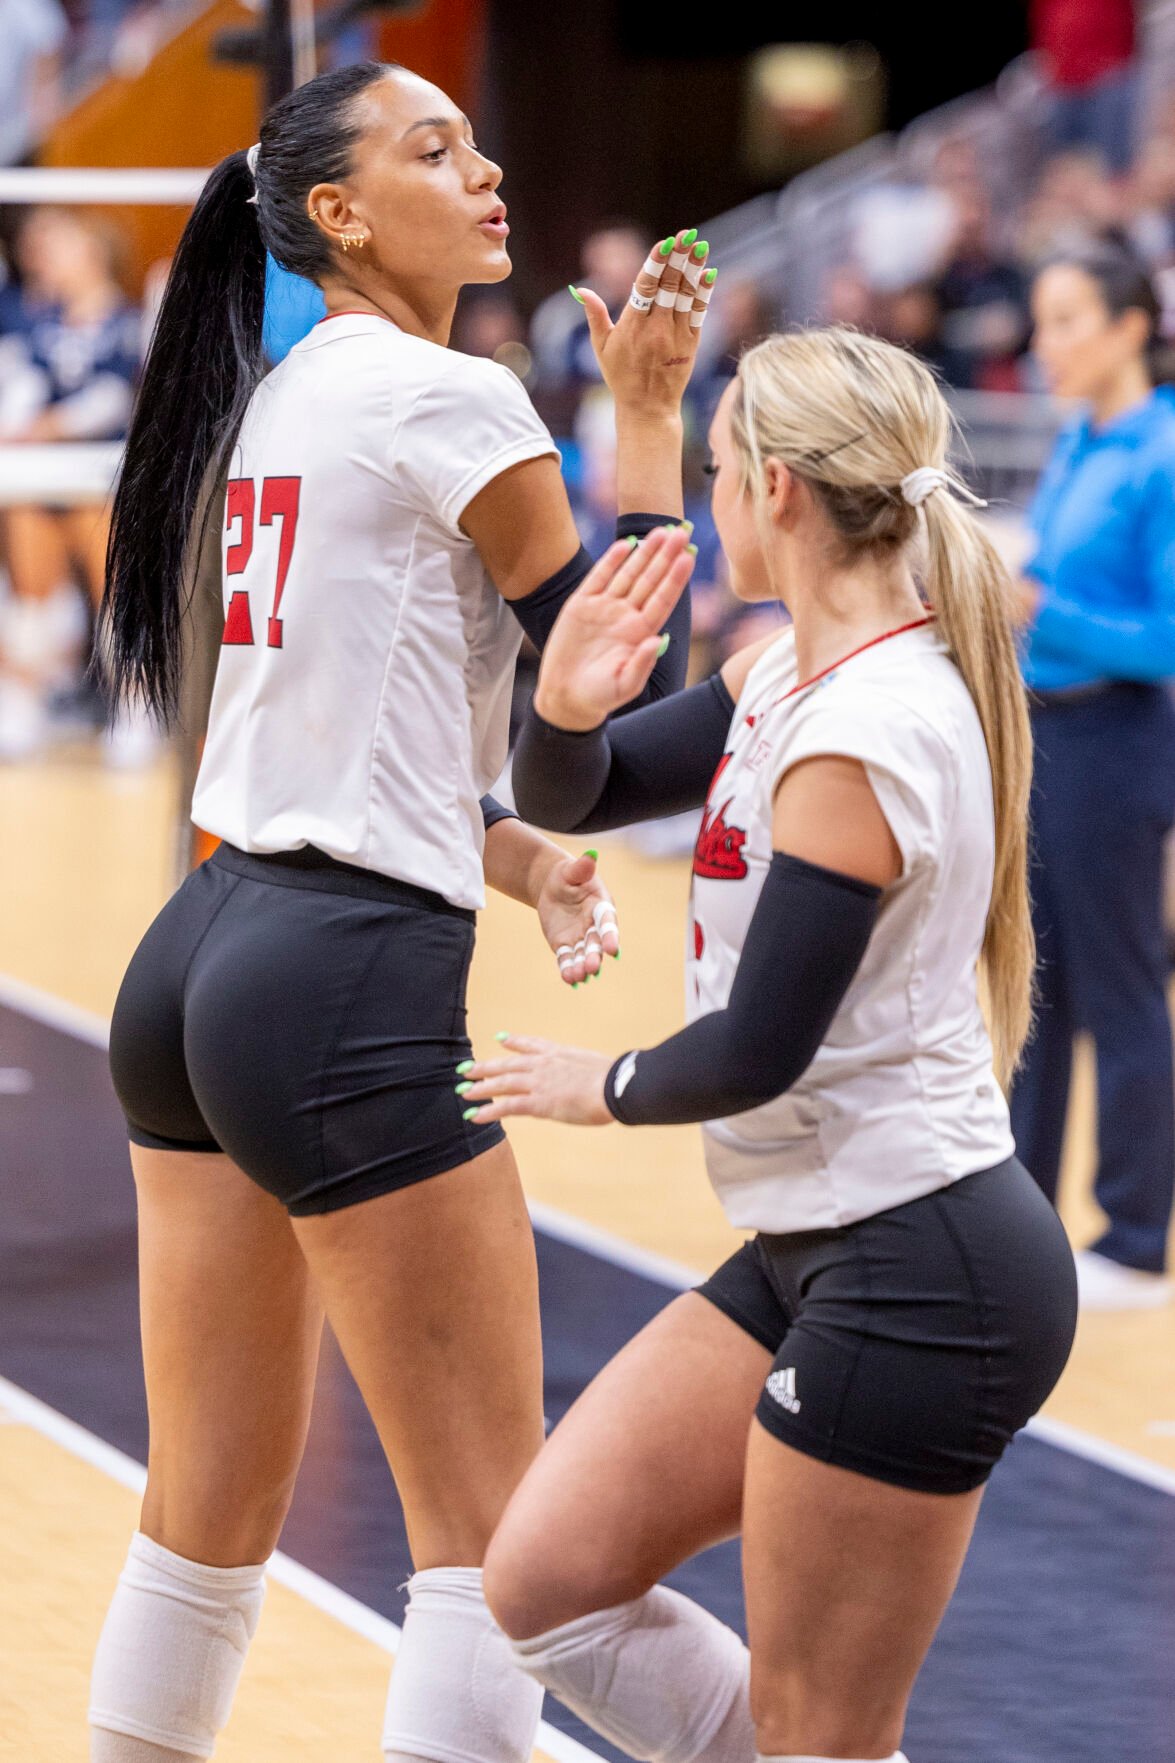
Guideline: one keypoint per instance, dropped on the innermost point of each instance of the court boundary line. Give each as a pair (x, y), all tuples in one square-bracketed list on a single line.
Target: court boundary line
[(29, 1410), (86, 1025)]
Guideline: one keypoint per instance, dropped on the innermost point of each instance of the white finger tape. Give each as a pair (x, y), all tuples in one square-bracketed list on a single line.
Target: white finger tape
[(563, 949), (697, 319), (693, 271), (654, 264), (678, 259), (602, 912), (640, 302), (665, 298), (684, 301), (702, 297)]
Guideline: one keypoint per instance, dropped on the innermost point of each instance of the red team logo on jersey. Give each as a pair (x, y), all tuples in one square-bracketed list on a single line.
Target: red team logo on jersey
[(718, 854)]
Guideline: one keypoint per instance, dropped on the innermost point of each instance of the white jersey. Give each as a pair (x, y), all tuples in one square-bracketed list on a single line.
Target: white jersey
[(362, 694), (901, 1098)]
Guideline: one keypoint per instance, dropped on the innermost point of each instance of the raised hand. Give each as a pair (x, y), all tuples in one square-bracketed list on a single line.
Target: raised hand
[(647, 356), (607, 637)]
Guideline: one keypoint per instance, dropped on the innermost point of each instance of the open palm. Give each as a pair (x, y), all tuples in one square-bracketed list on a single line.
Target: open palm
[(607, 637)]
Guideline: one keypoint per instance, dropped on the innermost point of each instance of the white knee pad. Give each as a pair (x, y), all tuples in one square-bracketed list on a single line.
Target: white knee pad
[(171, 1650), (659, 1677), (456, 1694)]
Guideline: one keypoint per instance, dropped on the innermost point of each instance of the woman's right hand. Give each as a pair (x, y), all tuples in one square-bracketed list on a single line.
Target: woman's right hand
[(646, 358), (608, 635)]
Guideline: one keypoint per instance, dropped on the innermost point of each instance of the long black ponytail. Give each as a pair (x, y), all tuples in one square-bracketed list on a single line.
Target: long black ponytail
[(205, 362)]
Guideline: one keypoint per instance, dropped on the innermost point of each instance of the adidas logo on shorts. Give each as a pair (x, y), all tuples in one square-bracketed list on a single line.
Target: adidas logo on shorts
[(781, 1387)]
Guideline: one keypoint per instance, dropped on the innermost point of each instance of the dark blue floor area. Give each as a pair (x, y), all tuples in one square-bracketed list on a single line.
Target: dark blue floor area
[(1058, 1647)]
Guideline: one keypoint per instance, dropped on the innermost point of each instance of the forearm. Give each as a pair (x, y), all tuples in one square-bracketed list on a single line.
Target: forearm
[(655, 761), (517, 859), (1139, 648), (648, 461), (805, 942)]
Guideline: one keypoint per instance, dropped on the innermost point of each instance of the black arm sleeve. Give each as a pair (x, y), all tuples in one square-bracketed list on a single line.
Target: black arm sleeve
[(804, 944), (537, 611), (655, 761), (492, 812)]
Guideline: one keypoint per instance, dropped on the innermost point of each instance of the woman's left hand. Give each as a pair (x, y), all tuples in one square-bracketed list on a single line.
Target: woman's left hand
[(545, 1080), (578, 918)]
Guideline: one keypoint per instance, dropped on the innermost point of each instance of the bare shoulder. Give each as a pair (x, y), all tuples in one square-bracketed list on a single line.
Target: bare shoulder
[(736, 669), (827, 813)]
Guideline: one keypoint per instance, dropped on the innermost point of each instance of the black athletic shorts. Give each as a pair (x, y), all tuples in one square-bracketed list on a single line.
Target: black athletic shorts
[(911, 1346), (305, 1017)]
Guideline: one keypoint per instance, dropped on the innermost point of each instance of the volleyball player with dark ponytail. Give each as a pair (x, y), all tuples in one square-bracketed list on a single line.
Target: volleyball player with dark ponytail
[(392, 516)]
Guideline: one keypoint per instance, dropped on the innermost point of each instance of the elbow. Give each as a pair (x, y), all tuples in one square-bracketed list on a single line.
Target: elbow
[(539, 809)]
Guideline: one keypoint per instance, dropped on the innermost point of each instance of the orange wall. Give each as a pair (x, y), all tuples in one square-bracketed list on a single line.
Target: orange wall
[(183, 110), (443, 41)]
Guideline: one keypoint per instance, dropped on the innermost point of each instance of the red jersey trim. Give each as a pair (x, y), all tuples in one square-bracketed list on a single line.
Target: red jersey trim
[(915, 624)]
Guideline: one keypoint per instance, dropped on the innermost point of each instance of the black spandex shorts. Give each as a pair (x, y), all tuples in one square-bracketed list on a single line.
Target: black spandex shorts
[(305, 1017), (911, 1347)]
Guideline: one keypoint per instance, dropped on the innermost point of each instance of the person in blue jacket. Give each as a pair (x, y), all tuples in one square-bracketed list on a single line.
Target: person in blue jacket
[(1099, 607)]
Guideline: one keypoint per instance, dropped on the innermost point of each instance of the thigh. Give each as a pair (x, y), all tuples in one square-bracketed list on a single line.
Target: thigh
[(645, 1470), (37, 553), (846, 1581), (432, 1291), (231, 1329), (87, 531)]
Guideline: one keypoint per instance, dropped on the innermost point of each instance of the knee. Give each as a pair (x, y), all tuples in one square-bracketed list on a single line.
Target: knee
[(512, 1587), (532, 1587), (205, 1521)]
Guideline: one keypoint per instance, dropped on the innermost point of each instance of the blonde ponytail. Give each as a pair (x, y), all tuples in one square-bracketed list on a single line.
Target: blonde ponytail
[(967, 585), (854, 416)]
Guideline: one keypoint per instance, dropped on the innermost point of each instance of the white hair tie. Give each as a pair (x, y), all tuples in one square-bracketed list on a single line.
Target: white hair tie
[(917, 485), (251, 159)]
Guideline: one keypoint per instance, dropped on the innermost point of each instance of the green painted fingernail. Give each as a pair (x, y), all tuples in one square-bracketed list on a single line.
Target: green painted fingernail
[(470, 1114), (662, 645), (701, 249), (465, 1065), (632, 541), (575, 294), (503, 1034), (667, 247), (690, 237), (463, 1089), (687, 526), (710, 277), (692, 549), (594, 855)]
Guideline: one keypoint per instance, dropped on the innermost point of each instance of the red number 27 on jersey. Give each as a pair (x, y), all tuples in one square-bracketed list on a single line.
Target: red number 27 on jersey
[(279, 501)]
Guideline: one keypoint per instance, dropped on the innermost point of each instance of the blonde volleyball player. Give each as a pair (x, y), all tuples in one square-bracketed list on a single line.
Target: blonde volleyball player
[(282, 1043), (841, 1389)]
